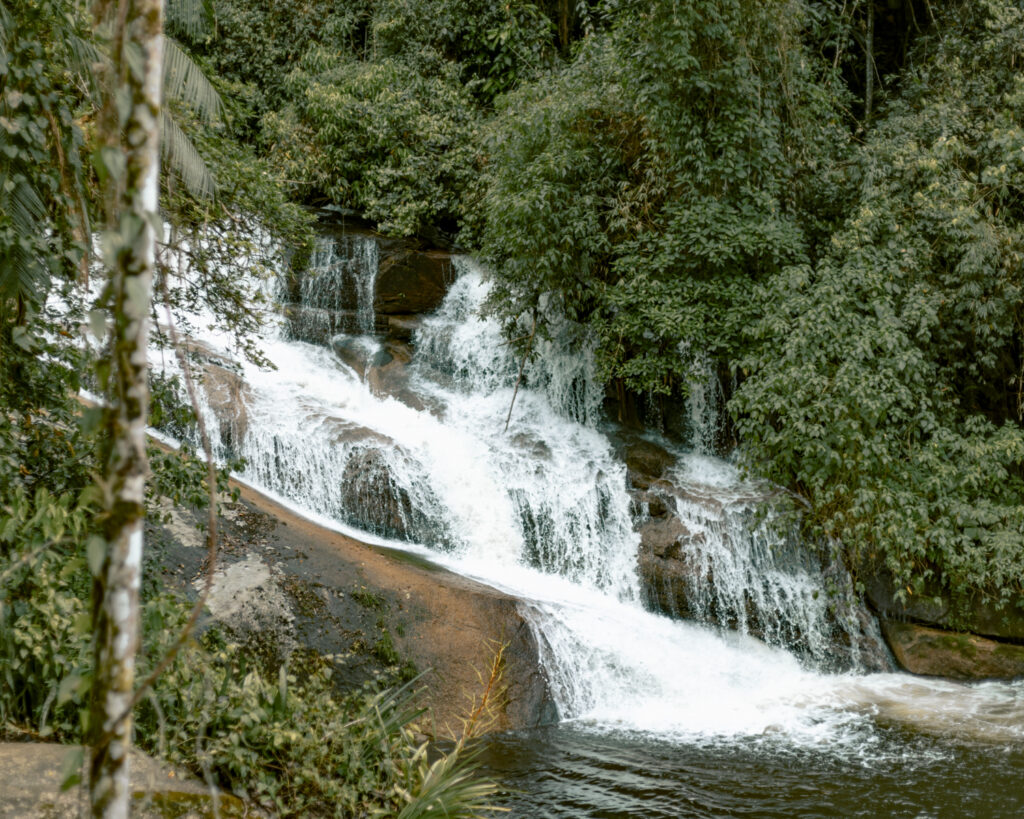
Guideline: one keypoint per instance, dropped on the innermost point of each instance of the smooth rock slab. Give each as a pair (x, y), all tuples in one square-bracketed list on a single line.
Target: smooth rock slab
[(31, 775), (936, 653)]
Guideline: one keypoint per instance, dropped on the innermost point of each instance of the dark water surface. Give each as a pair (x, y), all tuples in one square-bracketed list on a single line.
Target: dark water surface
[(566, 771)]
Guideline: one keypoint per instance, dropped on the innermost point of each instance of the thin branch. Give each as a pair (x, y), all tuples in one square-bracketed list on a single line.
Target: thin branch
[(869, 62), (522, 366), (211, 535)]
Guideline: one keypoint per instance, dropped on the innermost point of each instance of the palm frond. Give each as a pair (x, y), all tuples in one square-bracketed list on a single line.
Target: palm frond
[(5, 26), (185, 82), (21, 271), (183, 159), (192, 17), (22, 204), (21, 274), (83, 59)]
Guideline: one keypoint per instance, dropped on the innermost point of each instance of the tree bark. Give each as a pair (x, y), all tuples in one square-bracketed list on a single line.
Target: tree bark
[(869, 63), (129, 127)]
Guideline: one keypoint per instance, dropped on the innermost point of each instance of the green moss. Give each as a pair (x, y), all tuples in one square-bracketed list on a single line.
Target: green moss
[(368, 600)]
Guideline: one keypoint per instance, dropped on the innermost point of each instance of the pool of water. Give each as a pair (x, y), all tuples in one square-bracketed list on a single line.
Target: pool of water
[(571, 771)]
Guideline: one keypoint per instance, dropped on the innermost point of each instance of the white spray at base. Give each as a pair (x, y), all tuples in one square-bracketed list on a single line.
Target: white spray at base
[(542, 512)]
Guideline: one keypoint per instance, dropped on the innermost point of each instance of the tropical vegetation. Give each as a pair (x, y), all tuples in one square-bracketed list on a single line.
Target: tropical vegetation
[(819, 202)]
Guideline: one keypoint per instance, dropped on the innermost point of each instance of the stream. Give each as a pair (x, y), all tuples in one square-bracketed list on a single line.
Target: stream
[(658, 716)]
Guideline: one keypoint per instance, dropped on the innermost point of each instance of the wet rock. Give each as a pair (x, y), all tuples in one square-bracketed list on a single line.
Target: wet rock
[(227, 395), (656, 506), (956, 655), (411, 281), (388, 375), (646, 462), (376, 502), (663, 537), (318, 325), (533, 445), (355, 352), (403, 327), (375, 610), (666, 573)]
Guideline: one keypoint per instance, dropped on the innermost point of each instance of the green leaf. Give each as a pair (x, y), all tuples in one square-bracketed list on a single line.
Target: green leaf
[(68, 688), (96, 550), (20, 335)]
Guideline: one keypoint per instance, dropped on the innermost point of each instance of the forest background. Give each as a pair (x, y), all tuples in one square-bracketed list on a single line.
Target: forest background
[(818, 202)]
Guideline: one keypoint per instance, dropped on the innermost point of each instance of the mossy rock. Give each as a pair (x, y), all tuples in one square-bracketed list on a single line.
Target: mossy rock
[(960, 656)]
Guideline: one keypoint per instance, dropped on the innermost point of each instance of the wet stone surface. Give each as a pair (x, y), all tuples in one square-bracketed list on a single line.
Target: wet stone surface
[(284, 585)]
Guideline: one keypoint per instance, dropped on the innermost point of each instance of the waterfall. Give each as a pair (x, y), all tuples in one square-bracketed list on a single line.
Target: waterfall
[(705, 402), (336, 293), (745, 567), (544, 511)]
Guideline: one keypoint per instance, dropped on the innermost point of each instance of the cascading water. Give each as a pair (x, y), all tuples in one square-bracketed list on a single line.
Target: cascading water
[(745, 568), (704, 404), (543, 511), (336, 294)]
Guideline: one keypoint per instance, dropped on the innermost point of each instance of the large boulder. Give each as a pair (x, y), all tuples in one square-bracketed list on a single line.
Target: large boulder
[(228, 396), (412, 281), (956, 655), (376, 500), (666, 574), (646, 461), (285, 584)]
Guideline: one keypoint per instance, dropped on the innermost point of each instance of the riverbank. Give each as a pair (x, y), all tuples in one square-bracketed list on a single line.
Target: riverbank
[(284, 583)]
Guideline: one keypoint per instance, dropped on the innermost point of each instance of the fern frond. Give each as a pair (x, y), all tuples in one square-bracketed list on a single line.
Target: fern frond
[(185, 82), (183, 159)]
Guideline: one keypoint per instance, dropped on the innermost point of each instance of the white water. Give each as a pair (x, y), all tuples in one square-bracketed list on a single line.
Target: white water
[(336, 294), (542, 511)]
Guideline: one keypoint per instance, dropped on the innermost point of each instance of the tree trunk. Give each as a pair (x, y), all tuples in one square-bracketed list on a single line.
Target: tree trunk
[(130, 163), (869, 62), (563, 25)]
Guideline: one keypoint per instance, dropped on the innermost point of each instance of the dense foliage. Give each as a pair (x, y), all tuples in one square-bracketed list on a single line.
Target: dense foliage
[(887, 383), (288, 743), (649, 187)]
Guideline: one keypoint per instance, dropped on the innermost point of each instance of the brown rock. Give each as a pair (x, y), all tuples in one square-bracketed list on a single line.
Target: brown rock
[(646, 462), (411, 281), (441, 621), (375, 502), (960, 656), (665, 571), (403, 327), (661, 536), (228, 396)]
